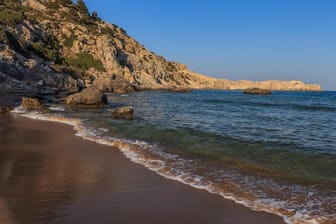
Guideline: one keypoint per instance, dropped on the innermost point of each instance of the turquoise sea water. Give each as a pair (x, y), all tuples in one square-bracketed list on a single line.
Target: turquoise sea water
[(274, 153)]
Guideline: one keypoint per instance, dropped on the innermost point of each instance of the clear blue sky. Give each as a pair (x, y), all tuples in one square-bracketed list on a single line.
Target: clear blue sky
[(235, 39)]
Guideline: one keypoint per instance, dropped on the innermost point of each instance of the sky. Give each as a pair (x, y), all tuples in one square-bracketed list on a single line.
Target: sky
[(235, 39)]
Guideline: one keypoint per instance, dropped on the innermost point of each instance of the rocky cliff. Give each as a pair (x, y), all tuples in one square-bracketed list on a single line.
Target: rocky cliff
[(49, 45)]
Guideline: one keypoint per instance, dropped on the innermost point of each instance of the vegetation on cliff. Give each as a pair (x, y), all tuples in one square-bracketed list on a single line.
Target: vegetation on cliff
[(15, 15), (84, 61)]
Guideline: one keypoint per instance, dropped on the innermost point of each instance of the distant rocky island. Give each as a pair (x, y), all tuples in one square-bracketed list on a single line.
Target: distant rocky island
[(49, 46), (257, 91)]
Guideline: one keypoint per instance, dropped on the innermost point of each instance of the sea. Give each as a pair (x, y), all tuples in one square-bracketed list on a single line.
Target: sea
[(274, 153)]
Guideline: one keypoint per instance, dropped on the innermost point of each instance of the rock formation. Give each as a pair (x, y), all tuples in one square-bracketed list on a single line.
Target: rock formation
[(5, 109), (107, 84), (48, 46), (89, 98), (257, 91), (179, 90), (31, 103), (123, 112)]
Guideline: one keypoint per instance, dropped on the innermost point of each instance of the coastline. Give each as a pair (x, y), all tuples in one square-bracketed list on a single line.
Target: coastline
[(99, 183)]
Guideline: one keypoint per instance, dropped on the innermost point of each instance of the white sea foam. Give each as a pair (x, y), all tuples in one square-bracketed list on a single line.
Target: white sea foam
[(178, 169), (103, 129), (57, 108)]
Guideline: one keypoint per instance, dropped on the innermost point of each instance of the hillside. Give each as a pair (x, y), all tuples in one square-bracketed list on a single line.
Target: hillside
[(48, 46)]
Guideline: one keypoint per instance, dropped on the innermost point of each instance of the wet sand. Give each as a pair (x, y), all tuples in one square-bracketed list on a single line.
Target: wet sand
[(49, 175)]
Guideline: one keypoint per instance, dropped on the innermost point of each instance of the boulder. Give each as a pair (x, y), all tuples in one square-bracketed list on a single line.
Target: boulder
[(123, 113), (5, 109), (89, 98), (31, 103), (257, 91)]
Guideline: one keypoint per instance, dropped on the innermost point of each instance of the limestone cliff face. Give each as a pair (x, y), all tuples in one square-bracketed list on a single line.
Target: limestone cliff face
[(61, 40)]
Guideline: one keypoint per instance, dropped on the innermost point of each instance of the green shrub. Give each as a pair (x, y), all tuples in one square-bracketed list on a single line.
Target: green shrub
[(47, 49), (35, 16), (75, 73), (92, 27), (49, 26), (122, 30), (53, 6), (10, 17), (56, 25), (84, 61), (83, 10), (65, 2), (17, 43), (106, 30), (68, 42), (92, 78), (64, 14)]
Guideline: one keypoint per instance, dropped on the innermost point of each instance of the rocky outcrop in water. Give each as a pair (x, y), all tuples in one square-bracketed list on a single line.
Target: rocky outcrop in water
[(179, 90), (89, 98), (123, 113), (48, 46), (258, 91)]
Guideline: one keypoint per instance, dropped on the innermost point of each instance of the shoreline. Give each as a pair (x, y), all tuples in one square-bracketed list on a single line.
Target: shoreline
[(182, 200)]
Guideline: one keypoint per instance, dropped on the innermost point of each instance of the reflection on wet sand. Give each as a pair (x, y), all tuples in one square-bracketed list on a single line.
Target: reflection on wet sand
[(47, 175), (36, 177)]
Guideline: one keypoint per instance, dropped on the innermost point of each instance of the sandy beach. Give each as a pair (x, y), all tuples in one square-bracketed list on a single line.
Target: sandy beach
[(143, 112), (49, 175)]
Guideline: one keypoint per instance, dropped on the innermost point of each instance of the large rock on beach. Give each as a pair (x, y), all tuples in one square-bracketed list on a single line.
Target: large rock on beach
[(31, 103), (88, 98), (257, 91), (123, 113), (5, 109)]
